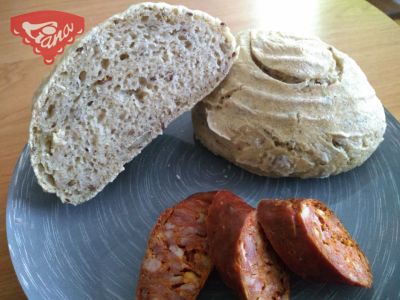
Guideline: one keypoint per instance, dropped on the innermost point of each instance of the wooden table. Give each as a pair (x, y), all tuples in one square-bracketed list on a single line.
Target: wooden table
[(355, 26)]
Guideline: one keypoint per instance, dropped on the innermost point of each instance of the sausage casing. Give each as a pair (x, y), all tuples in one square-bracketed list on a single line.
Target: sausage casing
[(243, 257), (176, 263), (312, 241)]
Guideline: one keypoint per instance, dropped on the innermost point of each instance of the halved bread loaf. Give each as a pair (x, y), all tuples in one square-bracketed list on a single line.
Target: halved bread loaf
[(117, 88)]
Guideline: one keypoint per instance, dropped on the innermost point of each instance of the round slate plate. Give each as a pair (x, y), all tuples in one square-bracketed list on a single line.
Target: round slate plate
[(94, 251)]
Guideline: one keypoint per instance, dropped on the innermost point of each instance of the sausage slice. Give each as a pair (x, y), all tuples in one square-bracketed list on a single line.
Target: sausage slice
[(312, 242), (176, 264), (243, 257)]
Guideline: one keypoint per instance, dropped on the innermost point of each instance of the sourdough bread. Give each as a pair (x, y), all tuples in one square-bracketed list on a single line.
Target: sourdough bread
[(117, 88), (291, 106)]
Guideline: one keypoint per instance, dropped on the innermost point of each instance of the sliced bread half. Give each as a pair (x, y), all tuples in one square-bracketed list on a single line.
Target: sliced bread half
[(117, 88)]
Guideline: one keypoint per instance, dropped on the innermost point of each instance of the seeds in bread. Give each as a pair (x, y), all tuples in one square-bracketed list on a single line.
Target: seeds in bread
[(117, 88)]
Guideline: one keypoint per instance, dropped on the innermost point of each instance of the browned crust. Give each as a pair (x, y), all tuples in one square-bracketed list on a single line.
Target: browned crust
[(240, 252), (176, 263), (313, 245)]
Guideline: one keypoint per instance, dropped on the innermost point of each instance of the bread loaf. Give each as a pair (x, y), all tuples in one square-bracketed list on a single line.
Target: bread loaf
[(117, 88), (291, 106)]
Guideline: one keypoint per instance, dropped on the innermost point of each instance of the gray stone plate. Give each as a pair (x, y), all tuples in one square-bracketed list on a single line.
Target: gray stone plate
[(94, 251)]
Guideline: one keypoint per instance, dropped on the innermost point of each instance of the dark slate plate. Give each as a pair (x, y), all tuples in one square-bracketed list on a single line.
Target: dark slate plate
[(94, 251)]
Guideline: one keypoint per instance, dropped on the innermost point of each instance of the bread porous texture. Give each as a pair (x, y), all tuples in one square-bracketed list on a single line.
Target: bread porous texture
[(291, 106), (117, 88)]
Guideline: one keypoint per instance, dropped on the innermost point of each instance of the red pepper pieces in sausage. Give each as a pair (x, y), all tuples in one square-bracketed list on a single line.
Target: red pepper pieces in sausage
[(312, 242), (176, 264), (244, 259)]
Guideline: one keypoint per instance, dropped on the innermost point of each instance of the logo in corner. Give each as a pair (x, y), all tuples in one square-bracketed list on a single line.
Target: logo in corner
[(47, 31)]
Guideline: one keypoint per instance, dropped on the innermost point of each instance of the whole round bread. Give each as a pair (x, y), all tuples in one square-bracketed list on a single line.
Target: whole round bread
[(291, 106)]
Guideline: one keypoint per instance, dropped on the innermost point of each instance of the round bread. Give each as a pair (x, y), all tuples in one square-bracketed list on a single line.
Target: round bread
[(291, 106)]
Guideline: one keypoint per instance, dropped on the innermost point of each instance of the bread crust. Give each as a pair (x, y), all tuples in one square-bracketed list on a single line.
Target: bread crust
[(291, 106)]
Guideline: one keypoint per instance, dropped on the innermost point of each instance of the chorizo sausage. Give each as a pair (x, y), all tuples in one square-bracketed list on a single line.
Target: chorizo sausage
[(312, 241), (243, 257), (176, 263)]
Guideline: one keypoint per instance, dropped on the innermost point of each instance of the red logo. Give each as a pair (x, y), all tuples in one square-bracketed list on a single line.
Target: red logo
[(47, 31)]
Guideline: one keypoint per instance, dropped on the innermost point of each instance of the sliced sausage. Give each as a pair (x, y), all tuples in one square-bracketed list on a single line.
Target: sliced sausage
[(176, 264), (312, 242), (243, 257)]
